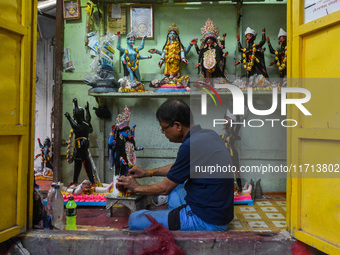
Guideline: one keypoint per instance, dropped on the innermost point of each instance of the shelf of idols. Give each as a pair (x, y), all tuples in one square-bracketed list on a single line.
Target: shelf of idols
[(152, 1), (186, 1), (194, 92)]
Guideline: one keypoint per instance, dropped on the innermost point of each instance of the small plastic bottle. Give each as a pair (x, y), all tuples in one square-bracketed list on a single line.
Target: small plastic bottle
[(39, 192), (71, 214), (38, 209), (50, 197), (58, 209)]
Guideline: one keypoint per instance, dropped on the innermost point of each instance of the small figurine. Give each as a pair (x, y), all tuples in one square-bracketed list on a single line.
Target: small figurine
[(253, 55), (86, 187), (171, 85), (280, 54), (130, 59), (46, 154), (102, 112), (173, 53), (258, 190), (246, 190), (211, 61), (122, 145), (81, 127)]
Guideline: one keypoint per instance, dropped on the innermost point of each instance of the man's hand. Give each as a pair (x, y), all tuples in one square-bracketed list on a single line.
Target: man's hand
[(128, 182), (137, 172)]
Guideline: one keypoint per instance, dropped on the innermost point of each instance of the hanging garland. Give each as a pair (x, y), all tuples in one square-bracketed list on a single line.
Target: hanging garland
[(130, 154), (49, 156), (128, 60), (249, 66), (281, 64), (70, 148)]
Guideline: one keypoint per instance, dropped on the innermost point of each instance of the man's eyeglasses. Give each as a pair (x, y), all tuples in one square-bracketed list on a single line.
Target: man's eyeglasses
[(165, 128)]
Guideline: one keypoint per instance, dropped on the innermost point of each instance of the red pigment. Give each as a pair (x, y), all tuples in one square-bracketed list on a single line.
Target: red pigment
[(299, 248), (166, 242)]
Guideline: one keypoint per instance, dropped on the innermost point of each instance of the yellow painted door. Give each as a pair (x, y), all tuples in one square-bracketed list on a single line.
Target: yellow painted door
[(17, 90), (313, 147)]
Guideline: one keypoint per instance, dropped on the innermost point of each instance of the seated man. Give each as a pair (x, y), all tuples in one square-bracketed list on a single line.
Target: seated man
[(204, 204)]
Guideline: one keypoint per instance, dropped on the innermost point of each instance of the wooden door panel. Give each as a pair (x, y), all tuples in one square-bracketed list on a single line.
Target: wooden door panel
[(17, 90), (10, 68), (312, 202), (324, 104), (321, 53)]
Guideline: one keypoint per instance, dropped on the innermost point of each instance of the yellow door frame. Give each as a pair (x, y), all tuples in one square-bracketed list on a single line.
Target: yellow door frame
[(297, 33), (18, 21)]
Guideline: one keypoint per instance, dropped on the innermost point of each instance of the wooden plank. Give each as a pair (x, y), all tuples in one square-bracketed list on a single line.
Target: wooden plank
[(13, 130), (33, 28), (315, 25), (317, 133), (58, 92), (13, 27), (152, 2)]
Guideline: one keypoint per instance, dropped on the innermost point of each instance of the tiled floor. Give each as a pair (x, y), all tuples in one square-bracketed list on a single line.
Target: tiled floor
[(265, 215)]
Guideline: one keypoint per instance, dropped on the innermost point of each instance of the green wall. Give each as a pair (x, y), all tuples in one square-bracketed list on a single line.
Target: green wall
[(259, 145)]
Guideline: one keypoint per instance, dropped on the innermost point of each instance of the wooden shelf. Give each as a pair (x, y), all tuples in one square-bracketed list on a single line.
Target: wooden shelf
[(166, 94), (144, 94), (155, 1), (187, 1)]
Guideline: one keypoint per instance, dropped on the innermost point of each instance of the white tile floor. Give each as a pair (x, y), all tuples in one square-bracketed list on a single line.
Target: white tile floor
[(264, 215)]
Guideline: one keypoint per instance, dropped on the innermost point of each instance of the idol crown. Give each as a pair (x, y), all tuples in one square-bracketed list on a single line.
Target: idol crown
[(250, 31), (131, 35), (123, 119), (209, 30), (173, 27)]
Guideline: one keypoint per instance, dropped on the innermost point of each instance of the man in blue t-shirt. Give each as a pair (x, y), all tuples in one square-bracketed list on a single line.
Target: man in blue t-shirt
[(196, 202)]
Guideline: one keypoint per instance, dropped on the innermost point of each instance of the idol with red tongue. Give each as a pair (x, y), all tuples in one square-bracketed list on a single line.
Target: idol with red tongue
[(131, 56), (211, 60), (173, 53)]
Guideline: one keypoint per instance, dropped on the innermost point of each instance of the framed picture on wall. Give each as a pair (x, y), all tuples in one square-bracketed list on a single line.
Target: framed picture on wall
[(141, 20), (71, 9)]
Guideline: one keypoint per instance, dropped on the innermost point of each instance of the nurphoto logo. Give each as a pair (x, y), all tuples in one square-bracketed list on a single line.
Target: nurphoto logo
[(238, 105)]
